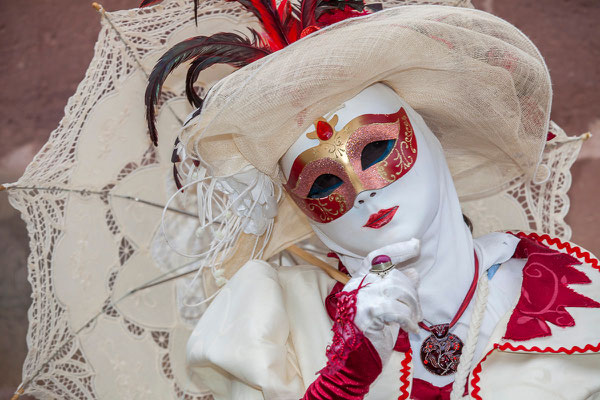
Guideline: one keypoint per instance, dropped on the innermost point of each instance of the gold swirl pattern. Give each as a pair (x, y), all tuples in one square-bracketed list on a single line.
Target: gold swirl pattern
[(328, 208), (402, 157)]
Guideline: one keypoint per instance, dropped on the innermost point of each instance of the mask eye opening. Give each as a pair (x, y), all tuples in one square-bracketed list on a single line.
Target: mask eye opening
[(324, 185), (376, 152)]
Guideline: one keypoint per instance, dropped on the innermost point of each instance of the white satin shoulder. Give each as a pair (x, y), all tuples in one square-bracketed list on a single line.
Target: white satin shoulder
[(247, 342), (240, 348)]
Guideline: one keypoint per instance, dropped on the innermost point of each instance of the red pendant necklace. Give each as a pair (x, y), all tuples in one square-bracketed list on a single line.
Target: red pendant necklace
[(440, 352)]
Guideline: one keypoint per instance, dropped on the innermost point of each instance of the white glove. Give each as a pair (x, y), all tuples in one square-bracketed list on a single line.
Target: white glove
[(384, 306)]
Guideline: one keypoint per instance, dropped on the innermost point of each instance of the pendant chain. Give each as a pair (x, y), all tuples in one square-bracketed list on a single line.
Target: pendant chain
[(441, 351), (465, 302)]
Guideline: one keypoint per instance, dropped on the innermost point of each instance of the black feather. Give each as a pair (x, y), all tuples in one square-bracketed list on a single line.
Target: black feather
[(229, 48), (374, 7), (325, 6), (312, 10), (146, 3), (307, 12)]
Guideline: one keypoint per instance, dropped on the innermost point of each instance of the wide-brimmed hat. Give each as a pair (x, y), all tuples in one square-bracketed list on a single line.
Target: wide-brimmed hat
[(479, 83)]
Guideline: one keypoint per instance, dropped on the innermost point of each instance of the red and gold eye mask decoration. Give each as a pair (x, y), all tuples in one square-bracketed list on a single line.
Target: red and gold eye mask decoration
[(369, 153)]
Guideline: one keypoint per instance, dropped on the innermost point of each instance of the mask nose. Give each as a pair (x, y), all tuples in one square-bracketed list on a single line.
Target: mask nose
[(363, 198)]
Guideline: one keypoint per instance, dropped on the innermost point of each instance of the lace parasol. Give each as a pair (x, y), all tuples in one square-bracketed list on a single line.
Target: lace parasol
[(105, 321)]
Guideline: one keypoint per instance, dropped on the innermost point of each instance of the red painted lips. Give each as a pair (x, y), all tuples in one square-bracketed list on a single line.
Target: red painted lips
[(381, 218)]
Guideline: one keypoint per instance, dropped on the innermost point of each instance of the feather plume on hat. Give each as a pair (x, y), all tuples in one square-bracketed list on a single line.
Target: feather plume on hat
[(281, 26)]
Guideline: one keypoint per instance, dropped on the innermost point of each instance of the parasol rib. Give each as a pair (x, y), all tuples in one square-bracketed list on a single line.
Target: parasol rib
[(85, 192), (128, 46)]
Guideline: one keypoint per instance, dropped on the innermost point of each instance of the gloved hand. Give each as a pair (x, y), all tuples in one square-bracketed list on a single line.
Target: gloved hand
[(370, 312), (384, 305)]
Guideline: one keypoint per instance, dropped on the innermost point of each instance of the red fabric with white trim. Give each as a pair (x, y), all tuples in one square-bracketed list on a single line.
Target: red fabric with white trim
[(571, 249), (544, 291)]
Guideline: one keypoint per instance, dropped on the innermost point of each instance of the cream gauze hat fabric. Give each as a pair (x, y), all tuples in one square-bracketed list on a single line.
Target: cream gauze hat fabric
[(479, 83)]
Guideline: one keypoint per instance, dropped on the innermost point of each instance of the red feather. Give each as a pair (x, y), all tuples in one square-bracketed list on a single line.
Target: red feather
[(266, 12), (329, 18), (283, 9), (288, 15)]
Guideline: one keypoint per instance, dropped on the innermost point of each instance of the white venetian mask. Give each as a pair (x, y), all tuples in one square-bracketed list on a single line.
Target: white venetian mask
[(364, 174)]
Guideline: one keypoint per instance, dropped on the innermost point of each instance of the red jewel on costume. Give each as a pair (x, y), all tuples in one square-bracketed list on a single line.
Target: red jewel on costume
[(441, 351), (324, 130)]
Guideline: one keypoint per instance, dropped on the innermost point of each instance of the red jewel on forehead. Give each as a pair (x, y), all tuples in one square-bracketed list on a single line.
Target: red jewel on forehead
[(324, 130)]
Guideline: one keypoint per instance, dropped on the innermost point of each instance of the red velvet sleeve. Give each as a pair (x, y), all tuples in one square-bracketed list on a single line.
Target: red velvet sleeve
[(353, 363)]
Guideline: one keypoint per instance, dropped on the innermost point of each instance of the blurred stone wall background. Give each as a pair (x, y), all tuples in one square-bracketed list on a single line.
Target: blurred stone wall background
[(45, 48)]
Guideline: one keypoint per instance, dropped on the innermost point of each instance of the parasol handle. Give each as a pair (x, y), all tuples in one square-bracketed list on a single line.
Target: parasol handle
[(329, 270), (17, 394)]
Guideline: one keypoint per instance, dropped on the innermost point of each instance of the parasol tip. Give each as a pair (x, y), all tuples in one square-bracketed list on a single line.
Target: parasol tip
[(586, 136), (3, 188), (97, 6)]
